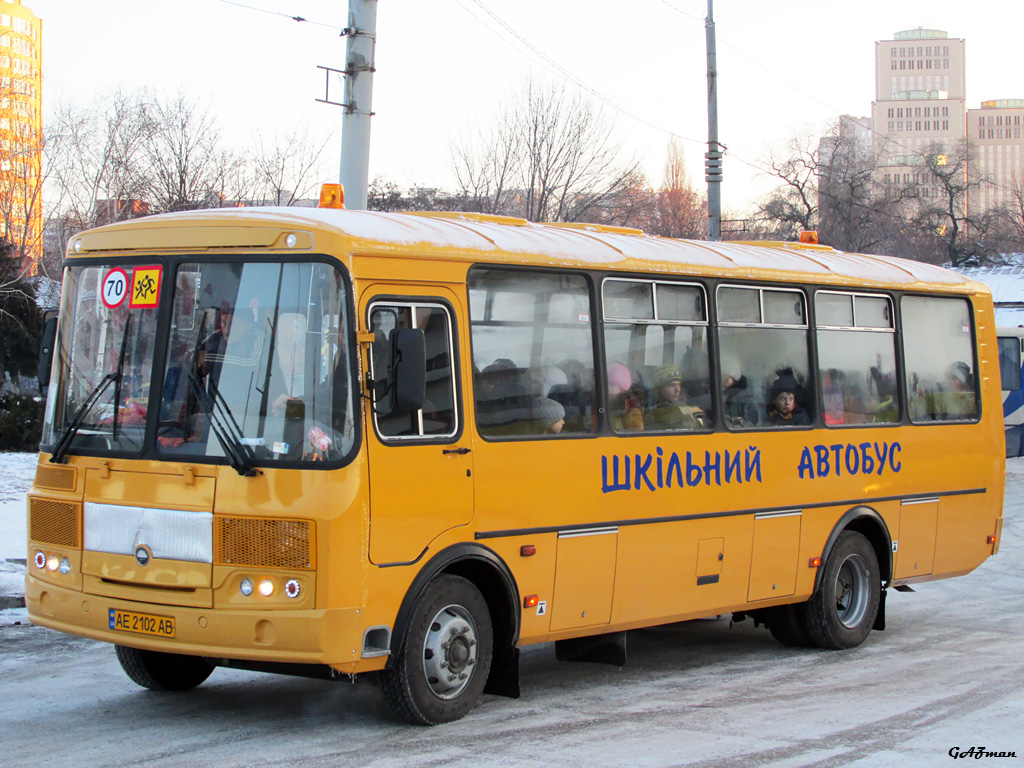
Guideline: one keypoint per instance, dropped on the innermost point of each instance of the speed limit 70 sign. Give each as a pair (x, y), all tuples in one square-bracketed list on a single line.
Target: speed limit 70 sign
[(115, 288)]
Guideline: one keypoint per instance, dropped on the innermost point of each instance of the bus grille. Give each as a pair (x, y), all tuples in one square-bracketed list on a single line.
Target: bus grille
[(53, 522), (262, 543), (56, 477)]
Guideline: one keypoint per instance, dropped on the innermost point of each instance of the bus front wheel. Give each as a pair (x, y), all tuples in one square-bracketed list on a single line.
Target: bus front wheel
[(163, 671), (841, 612), (445, 657)]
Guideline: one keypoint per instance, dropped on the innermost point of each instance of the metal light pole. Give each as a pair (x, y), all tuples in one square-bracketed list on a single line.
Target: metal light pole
[(713, 157), (355, 127)]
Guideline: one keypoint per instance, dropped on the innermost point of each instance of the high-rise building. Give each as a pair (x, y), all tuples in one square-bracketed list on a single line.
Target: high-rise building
[(21, 130), (996, 131), (920, 98)]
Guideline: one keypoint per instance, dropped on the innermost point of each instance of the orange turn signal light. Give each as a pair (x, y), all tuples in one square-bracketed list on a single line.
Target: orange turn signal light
[(815, 562), (332, 196), (530, 601), (527, 550)]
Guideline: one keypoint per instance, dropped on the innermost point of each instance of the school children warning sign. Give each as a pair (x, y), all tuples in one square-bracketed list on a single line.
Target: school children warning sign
[(145, 287)]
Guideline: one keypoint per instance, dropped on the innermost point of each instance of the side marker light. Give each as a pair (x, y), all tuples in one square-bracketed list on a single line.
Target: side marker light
[(815, 562), (992, 539), (531, 601), (527, 550)]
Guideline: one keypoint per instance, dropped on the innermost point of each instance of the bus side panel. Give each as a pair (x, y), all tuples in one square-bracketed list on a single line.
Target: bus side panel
[(668, 569)]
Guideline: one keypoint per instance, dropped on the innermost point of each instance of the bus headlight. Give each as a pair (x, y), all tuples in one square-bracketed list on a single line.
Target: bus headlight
[(246, 587), (64, 566), (266, 587), (52, 563)]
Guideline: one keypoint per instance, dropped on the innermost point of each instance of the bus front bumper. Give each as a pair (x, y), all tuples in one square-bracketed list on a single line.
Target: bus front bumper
[(318, 636)]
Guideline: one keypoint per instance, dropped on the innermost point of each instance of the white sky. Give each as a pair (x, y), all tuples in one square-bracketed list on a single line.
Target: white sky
[(441, 64)]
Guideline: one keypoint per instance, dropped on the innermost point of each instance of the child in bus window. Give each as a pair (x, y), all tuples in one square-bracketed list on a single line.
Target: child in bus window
[(783, 410), (625, 403), (549, 415), (669, 410)]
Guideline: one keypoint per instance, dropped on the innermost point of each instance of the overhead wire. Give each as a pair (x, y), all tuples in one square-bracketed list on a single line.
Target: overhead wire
[(283, 15), (563, 72)]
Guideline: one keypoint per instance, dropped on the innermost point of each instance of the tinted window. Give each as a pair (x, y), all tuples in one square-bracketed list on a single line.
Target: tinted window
[(533, 358), (764, 365), (856, 359), (939, 355)]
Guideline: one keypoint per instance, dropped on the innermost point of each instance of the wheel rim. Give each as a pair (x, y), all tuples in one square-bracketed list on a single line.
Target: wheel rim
[(450, 651), (852, 591)]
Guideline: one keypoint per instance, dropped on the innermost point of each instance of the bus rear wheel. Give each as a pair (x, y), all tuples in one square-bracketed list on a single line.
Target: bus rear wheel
[(841, 612), (163, 671), (445, 657)]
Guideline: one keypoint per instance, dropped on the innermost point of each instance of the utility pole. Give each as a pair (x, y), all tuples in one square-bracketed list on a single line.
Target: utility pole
[(355, 127), (713, 157)]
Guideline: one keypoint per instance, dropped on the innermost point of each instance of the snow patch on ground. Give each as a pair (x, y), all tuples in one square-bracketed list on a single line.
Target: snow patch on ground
[(16, 473)]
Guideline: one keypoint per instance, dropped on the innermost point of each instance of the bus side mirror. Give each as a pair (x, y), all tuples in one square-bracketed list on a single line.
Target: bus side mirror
[(49, 337), (407, 370)]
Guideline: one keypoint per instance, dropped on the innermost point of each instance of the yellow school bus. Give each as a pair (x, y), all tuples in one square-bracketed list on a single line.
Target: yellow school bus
[(329, 443)]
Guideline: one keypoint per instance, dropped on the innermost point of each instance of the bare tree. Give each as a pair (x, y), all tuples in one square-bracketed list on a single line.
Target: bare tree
[(485, 163), (287, 167), (188, 166), (97, 154), (20, 181), (945, 178), (681, 211), (793, 205), (550, 156), (851, 201)]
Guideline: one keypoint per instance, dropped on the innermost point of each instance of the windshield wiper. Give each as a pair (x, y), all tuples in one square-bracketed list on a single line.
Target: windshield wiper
[(224, 427), (64, 443)]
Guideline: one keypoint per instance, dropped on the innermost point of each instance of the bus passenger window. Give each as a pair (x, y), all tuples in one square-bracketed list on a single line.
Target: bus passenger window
[(939, 357), (763, 355), (1009, 363), (533, 358), (856, 358), (656, 344)]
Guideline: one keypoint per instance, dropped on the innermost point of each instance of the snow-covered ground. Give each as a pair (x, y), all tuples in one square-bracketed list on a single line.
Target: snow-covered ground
[(946, 673), (16, 473)]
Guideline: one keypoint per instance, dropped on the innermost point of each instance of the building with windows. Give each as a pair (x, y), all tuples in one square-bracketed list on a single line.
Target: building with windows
[(21, 130), (920, 99), (996, 131)]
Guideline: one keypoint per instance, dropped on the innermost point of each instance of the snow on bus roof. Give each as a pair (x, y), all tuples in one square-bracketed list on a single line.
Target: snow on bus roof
[(470, 236)]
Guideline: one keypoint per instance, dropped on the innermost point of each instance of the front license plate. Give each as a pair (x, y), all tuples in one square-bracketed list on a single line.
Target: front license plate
[(141, 623)]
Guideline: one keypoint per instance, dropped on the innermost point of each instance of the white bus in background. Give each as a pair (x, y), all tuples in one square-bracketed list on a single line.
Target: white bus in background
[(1010, 362)]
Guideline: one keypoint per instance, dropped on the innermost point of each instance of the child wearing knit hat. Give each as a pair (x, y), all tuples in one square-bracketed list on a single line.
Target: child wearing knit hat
[(625, 404), (549, 415)]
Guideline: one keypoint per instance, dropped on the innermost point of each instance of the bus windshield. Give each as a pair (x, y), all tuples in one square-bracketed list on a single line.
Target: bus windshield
[(256, 367), (99, 340)]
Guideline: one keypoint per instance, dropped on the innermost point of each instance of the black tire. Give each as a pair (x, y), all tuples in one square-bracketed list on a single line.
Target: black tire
[(444, 658), (163, 671), (786, 626), (842, 610)]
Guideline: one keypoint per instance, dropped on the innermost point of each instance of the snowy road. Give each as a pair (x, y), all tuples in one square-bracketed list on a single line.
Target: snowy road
[(948, 672)]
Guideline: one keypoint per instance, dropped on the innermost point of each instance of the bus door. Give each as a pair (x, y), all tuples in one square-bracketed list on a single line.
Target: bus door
[(421, 466)]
